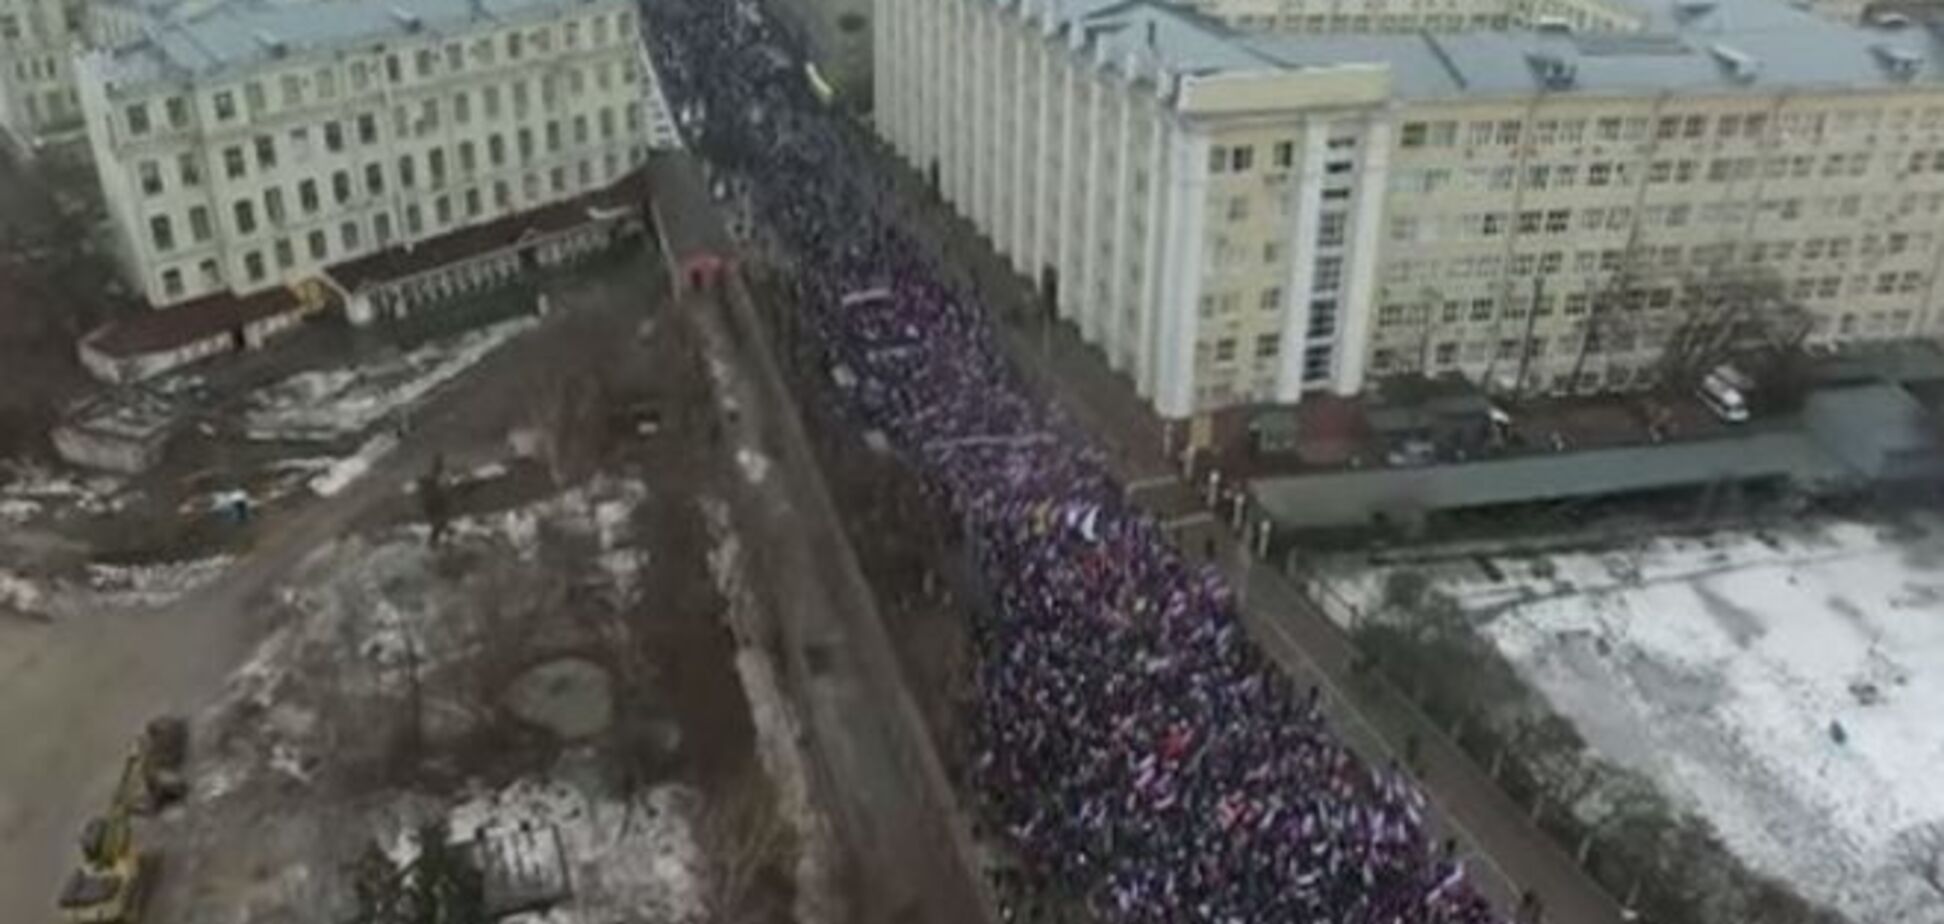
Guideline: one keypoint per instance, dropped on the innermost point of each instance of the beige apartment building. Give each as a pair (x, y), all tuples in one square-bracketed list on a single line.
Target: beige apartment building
[(1237, 217), (242, 146)]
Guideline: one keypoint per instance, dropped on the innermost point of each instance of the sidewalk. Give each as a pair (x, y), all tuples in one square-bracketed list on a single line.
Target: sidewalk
[(1506, 853)]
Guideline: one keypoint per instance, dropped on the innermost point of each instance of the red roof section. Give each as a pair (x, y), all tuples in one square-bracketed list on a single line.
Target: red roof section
[(189, 322), (454, 246)]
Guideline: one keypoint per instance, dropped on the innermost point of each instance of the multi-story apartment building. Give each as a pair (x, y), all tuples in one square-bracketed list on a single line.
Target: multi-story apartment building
[(38, 41), (245, 145), (1239, 218)]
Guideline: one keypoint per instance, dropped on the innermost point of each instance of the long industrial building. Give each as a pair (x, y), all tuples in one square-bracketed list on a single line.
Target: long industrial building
[(1236, 216)]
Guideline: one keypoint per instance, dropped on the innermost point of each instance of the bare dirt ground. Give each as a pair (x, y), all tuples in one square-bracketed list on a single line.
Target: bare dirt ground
[(559, 661)]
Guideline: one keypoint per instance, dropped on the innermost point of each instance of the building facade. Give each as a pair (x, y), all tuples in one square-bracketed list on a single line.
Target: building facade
[(1235, 218), (245, 146), (38, 42)]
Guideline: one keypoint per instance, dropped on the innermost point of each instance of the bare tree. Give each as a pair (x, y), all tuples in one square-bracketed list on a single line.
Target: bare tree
[(1729, 312), (1920, 852), (745, 838)]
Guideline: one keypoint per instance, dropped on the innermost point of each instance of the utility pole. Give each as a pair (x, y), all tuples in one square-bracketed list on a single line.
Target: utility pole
[(1525, 344)]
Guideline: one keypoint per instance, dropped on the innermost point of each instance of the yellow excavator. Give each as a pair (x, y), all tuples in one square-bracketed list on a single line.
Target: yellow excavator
[(113, 878)]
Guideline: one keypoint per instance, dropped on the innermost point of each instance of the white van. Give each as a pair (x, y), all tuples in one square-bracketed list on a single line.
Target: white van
[(1725, 391)]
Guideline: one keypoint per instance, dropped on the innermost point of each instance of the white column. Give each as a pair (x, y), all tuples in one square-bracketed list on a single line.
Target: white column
[(1114, 338), (1174, 393), (1301, 236), (1052, 141), (1360, 279), (1155, 247), (1064, 229), (1094, 191), (1025, 115)]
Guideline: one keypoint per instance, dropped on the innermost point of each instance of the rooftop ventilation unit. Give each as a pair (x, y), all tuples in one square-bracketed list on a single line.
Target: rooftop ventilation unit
[(1554, 72), (1888, 19), (1741, 65), (1552, 25), (1899, 63), (272, 45), (1693, 9), (407, 20)]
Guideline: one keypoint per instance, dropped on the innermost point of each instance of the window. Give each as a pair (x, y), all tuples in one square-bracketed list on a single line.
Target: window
[(333, 137), (1225, 350), (1331, 228), (273, 204), (1446, 353), (1329, 274), (266, 151), (495, 150), (319, 248), (405, 172), (245, 216), (1241, 158), (413, 219), (1322, 319), (455, 58), (172, 283), (285, 258), (348, 235), (514, 45), (394, 72), (210, 272), (435, 166), (425, 59), (224, 102), (461, 108), (367, 128), (1267, 345), (1271, 299), (374, 179), (472, 202), (341, 187), (442, 210), (1238, 208), (553, 136), (1316, 362), (490, 98), (380, 229), (326, 82), (293, 91), (138, 119), (233, 164), (525, 139), (307, 196), (151, 177), (607, 123), (1414, 135), (466, 160), (161, 233), (253, 97), (199, 226), (178, 111), (253, 265)]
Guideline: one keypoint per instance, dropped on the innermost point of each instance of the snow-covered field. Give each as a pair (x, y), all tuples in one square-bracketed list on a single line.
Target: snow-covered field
[(1787, 685), (328, 404)]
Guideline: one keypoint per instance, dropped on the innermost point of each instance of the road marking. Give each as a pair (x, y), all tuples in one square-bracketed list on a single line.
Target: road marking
[(1356, 714)]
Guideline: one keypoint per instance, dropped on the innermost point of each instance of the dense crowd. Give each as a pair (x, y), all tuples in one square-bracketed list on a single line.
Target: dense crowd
[(1136, 749)]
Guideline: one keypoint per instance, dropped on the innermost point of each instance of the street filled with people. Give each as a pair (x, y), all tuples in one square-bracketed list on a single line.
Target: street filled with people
[(1136, 750)]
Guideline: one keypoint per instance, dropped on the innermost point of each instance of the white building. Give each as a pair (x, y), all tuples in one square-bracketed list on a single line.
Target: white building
[(38, 42), (1245, 217), (248, 145)]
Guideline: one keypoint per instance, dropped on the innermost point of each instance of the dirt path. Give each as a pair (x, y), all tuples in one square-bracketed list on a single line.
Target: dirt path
[(79, 688)]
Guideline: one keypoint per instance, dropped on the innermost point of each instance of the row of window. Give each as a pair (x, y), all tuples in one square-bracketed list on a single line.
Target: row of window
[(361, 74), (445, 212), (1240, 158), (1796, 126), (264, 150)]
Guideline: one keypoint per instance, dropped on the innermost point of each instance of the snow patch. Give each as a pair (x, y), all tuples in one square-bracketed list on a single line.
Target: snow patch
[(1784, 684), (330, 404), (20, 594), (349, 469), (636, 861), (754, 464), (155, 584)]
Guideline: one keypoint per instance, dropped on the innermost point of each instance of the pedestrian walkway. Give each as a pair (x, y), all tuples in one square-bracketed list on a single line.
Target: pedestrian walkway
[(1509, 855)]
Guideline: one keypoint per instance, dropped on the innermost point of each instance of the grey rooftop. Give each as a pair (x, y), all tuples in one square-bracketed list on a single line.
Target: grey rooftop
[(200, 40)]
